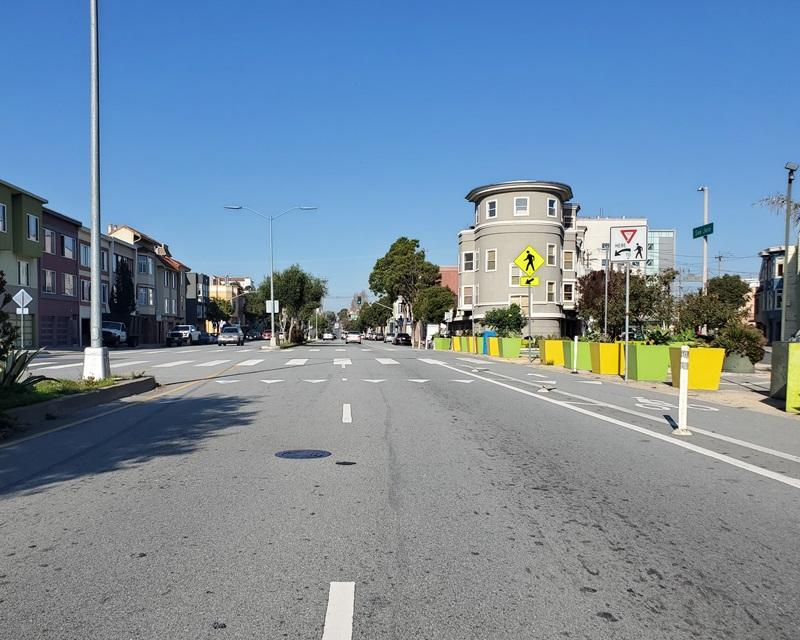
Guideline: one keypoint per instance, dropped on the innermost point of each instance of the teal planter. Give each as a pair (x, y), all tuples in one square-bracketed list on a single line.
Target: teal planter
[(648, 362), (584, 355), (510, 347)]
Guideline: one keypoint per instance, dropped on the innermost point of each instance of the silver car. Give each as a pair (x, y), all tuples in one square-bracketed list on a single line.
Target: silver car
[(230, 335)]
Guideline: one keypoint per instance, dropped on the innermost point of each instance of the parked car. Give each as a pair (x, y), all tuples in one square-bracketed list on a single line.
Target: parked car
[(402, 339), (378, 336), (327, 336), (252, 334), (231, 334), (207, 338), (110, 339), (118, 330), (183, 333), (352, 336), (389, 337)]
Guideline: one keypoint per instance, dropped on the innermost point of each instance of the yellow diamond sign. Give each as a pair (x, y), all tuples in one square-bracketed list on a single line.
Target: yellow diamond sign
[(528, 262)]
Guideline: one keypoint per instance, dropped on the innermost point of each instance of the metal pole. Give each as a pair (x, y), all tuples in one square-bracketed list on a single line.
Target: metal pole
[(705, 241), (273, 338), (530, 326), (786, 239), (627, 312), (575, 355), (683, 394), (605, 299)]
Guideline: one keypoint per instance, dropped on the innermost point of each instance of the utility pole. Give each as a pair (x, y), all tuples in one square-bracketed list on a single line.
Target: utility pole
[(719, 258), (705, 239), (791, 167)]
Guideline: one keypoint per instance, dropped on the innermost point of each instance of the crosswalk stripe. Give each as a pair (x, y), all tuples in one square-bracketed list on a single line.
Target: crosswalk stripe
[(417, 380), (296, 362), (175, 363), (244, 350), (41, 364), (387, 361), (313, 349), (226, 381), (249, 363), (463, 381), (271, 381), (211, 363), (369, 380), (538, 375), (314, 381), (117, 365)]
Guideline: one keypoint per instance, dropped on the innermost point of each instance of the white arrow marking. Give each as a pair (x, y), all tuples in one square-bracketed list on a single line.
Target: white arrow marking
[(271, 381), (342, 361), (368, 380)]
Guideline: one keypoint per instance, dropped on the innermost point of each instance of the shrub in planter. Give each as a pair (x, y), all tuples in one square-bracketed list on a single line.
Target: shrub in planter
[(740, 342)]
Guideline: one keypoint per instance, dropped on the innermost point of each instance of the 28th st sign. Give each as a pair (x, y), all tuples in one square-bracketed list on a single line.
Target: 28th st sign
[(703, 230)]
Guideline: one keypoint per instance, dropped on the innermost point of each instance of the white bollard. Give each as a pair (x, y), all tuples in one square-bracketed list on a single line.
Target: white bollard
[(683, 395), (575, 355)]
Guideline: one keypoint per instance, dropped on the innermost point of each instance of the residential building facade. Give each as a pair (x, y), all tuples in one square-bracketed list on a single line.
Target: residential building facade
[(769, 295), (59, 304), (508, 217), (84, 290), (197, 294), (230, 289), (21, 240)]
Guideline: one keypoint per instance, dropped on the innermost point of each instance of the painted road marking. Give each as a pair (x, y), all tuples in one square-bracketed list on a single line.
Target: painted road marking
[(475, 361), (463, 381), (341, 349), (271, 381), (430, 361), (63, 366), (339, 616), (773, 475), (347, 416), (296, 362), (249, 363), (226, 381), (314, 381), (589, 382), (343, 362), (370, 380), (174, 363), (538, 375), (418, 380), (387, 361), (244, 350), (313, 349), (41, 364), (211, 363), (117, 365)]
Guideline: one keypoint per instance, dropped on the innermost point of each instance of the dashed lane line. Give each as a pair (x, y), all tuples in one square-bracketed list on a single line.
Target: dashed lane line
[(339, 615), (175, 363), (296, 362), (249, 363), (387, 361), (211, 363), (347, 416)]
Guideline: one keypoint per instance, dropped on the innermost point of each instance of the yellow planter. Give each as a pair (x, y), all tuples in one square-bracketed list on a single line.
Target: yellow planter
[(551, 352), (473, 345), (705, 367), (494, 346), (456, 343), (605, 357)]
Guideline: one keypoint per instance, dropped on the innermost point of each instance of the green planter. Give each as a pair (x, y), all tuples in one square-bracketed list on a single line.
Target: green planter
[(648, 362), (584, 355), (737, 363), (510, 347), (464, 341), (441, 344)]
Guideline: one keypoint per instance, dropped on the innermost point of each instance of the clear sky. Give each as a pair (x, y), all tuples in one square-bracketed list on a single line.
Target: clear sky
[(385, 114)]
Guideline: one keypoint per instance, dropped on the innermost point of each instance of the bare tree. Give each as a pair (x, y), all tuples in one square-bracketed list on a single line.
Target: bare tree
[(777, 202)]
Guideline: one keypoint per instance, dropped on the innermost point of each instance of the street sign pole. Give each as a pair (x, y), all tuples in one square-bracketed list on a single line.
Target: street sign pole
[(530, 325), (605, 298), (627, 313), (705, 241)]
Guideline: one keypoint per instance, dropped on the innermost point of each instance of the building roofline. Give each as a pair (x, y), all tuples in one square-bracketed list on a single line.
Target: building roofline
[(14, 187), (61, 216), (559, 188)]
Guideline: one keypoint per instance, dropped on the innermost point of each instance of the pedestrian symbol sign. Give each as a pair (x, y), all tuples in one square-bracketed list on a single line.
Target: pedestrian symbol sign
[(529, 262), (628, 244)]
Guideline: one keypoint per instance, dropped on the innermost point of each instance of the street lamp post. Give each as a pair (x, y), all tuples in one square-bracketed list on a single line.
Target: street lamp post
[(273, 340), (705, 238), (790, 167)]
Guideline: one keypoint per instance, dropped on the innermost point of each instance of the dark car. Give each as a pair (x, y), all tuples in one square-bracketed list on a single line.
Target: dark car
[(402, 339), (207, 338)]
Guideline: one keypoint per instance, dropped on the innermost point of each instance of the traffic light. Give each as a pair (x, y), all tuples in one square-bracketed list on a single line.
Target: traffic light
[(358, 301)]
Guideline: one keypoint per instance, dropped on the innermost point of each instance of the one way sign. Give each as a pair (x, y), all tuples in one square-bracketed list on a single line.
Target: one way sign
[(628, 244)]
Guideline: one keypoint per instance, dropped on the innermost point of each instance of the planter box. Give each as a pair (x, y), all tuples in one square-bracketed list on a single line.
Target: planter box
[(605, 357), (705, 367), (648, 362), (510, 347), (737, 363), (441, 344), (785, 374), (456, 343), (493, 345), (551, 351), (584, 355)]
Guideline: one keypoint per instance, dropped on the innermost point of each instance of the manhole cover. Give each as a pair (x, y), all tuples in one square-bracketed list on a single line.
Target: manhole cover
[(303, 454)]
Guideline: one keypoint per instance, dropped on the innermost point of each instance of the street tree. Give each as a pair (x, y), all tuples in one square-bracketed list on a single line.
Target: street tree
[(777, 202), (591, 300), (122, 302), (299, 294), (506, 321), (732, 290), (707, 310), (433, 303), (218, 310), (8, 331)]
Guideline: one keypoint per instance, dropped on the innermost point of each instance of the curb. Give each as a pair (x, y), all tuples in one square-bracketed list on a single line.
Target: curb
[(62, 407)]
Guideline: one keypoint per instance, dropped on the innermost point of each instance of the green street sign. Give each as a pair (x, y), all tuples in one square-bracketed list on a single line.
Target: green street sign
[(703, 230)]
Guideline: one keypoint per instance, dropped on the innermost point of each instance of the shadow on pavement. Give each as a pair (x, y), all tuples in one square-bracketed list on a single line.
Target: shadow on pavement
[(134, 436)]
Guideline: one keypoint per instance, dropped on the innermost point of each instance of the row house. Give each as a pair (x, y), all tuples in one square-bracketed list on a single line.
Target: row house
[(59, 304), (197, 296), (232, 289)]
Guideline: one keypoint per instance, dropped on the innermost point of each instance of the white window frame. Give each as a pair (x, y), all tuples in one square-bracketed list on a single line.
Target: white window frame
[(527, 205), (488, 202), (104, 289), (54, 280), (511, 268), (64, 240), (554, 208), (525, 308), (104, 260), (564, 253), (28, 218), (464, 302), (47, 233), (20, 264), (64, 284), (486, 259), (547, 292), (88, 297), (88, 248), (554, 255), (3, 218), (464, 261), (564, 284)]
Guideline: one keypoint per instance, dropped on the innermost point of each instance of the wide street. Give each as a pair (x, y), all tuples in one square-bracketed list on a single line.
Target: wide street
[(463, 498)]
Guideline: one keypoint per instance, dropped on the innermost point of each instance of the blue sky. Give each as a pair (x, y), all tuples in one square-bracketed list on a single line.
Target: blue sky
[(385, 114)]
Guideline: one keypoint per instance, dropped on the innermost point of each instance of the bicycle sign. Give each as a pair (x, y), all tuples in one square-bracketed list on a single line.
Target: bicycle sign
[(663, 405)]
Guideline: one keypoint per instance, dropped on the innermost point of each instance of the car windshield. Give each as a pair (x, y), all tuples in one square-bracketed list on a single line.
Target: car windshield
[(182, 327), (112, 325), (230, 330)]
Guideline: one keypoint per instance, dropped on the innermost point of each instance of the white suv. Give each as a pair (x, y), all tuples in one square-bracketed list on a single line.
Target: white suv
[(352, 337)]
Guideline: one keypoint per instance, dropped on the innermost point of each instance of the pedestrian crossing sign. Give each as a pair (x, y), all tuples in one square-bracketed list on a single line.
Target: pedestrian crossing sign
[(529, 262)]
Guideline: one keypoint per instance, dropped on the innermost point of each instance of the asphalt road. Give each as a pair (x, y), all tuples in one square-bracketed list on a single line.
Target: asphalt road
[(486, 500)]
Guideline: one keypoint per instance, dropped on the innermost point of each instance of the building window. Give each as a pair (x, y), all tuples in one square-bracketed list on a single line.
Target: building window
[(604, 246), (166, 305), (166, 278), (104, 292), (649, 246), (3, 220), (568, 261), (69, 284), (22, 273), (552, 208), (568, 294), (86, 256), (568, 220), (551, 291), (604, 263), (468, 261), (521, 301), (145, 265), (174, 280), (514, 275), (86, 290), (779, 269), (520, 206), (48, 281), (68, 247), (466, 296), (33, 228), (104, 260), (144, 296), (551, 255), (491, 259), (778, 300), (491, 209), (49, 241)]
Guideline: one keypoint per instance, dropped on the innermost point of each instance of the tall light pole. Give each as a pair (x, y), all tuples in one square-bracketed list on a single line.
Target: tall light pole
[(95, 357), (273, 340), (791, 167), (705, 238)]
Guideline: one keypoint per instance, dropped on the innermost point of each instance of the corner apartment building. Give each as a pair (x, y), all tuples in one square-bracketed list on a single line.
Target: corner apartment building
[(21, 242), (59, 306), (769, 295), (509, 216)]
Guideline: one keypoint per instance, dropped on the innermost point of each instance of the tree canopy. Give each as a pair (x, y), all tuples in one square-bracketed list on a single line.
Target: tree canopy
[(8, 331), (506, 321), (433, 303), (218, 310), (731, 290), (122, 301), (300, 294), (403, 271)]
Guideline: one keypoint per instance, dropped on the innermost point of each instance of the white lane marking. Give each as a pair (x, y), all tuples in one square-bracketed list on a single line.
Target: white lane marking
[(226, 381), (366, 349), (130, 363), (418, 380), (538, 375), (464, 381), (271, 381), (41, 364), (793, 482), (249, 363), (475, 361), (341, 349), (149, 353), (313, 349), (589, 382), (371, 380), (314, 381), (430, 361), (387, 361), (211, 363), (347, 416), (342, 361), (390, 349), (62, 366), (244, 350), (339, 616), (296, 362), (174, 363)]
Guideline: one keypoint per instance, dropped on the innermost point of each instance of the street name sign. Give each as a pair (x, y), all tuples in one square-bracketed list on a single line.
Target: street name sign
[(628, 244), (703, 230), (529, 262)]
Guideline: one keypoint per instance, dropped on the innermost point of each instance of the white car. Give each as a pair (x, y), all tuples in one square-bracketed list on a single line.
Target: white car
[(117, 329), (327, 336), (230, 334), (352, 337)]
